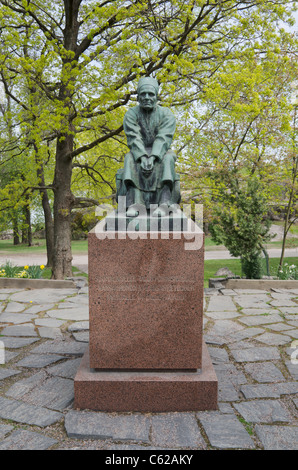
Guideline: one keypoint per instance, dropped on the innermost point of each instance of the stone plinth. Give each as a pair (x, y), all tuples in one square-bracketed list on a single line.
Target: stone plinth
[(146, 391), (145, 311), (145, 301)]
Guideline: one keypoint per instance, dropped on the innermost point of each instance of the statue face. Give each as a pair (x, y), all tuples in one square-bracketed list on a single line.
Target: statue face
[(147, 98)]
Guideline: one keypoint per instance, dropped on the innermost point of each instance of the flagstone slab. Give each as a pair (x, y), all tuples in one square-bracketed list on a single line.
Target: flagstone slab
[(9, 355), (174, 430), (82, 336), (255, 354), (221, 315), (263, 411), (274, 339), (250, 291), (17, 342), (225, 431), (259, 311), (292, 368), (282, 295), (218, 355), (289, 310), (96, 425), (5, 429), (24, 386), (42, 296), (15, 307), (23, 439), (10, 290), (281, 327), (228, 373), (49, 332), (224, 328), (227, 392), (49, 322), (80, 299), (70, 314), (16, 318), (68, 305), (66, 369), (60, 347), (253, 301), (20, 331), (293, 333), (265, 372), (4, 296), (283, 303), (39, 360), (220, 304), (26, 413), (278, 437), (5, 373), (37, 308), (79, 326), (254, 320), (245, 334), (275, 390), (56, 393)]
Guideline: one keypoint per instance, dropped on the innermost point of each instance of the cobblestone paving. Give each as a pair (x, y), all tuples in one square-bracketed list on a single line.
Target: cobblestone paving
[(252, 337)]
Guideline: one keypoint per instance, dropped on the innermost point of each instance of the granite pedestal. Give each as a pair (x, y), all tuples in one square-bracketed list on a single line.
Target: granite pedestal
[(146, 349)]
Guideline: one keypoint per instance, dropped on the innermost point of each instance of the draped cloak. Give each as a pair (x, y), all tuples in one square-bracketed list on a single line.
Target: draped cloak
[(149, 133)]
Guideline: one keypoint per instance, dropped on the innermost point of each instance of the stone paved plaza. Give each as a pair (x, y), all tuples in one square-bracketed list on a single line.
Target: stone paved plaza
[(252, 337)]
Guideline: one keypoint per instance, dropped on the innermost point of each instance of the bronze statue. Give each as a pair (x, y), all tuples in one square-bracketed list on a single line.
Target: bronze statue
[(149, 176)]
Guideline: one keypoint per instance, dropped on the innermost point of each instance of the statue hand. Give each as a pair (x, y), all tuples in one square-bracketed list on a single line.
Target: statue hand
[(147, 163)]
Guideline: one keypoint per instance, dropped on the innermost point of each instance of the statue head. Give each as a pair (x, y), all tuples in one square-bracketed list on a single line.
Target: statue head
[(147, 92)]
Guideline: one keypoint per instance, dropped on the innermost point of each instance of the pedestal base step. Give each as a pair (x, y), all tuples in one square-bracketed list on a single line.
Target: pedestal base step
[(146, 391)]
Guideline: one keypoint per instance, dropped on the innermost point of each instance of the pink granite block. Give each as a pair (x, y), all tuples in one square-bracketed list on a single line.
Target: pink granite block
[(133, 391), (145, 301)]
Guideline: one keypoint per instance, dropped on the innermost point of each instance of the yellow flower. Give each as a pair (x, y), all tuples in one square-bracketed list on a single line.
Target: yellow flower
[(26, 267), (42, 266)]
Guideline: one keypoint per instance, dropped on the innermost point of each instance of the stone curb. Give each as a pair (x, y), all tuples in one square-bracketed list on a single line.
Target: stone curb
[(261, 284), (35, 283)]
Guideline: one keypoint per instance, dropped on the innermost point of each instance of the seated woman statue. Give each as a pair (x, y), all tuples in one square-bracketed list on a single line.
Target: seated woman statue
[(149, 176)]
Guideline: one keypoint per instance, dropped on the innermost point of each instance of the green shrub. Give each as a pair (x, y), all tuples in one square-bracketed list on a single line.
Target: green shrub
[(252, 267)]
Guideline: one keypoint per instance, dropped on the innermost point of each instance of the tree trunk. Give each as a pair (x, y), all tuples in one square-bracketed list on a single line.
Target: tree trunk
[(27, 229), (48, 218), (63, 201), (287, 222), (63, 197), (49, 227), (16, 236)]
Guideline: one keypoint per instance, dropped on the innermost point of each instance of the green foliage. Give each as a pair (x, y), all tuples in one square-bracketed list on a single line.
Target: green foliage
[(239, 221), (9, 270), (252, 266), (70, 71), (29, 272), (82, 222)]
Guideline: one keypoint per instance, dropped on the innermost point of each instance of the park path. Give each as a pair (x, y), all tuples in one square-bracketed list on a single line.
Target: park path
[(252, 340), (81, 260)]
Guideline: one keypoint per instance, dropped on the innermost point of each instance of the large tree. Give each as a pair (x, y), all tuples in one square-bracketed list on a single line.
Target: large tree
[(79, 61)]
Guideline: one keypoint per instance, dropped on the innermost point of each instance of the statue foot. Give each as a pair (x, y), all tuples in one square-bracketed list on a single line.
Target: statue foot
[(131, 212)]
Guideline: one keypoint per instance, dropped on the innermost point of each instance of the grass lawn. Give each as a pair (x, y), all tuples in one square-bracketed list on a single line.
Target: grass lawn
[(211, 266), (81, 246), (39, 246)]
